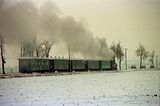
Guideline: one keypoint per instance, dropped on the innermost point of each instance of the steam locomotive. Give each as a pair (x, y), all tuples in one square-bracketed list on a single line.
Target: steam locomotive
[(29, 65)]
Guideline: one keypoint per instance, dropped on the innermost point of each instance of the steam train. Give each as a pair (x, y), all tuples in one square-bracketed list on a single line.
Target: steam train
[(29, 65)]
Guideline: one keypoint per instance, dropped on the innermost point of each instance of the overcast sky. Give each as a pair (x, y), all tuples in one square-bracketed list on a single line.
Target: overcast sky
[(129, 21)]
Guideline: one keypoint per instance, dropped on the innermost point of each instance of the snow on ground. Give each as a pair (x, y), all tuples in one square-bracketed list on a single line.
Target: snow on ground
[(133, 88)]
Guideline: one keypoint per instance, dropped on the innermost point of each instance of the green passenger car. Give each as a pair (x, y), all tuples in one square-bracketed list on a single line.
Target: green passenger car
[(78, 64), (28, 65), (33, 64), (61, 64), (105, 65), (93, 65), (40, 65)]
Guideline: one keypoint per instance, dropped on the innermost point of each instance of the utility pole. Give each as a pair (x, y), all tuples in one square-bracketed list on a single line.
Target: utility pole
[(2, 50), (126, 57), (69, 55), (157, 62), (21, 49)]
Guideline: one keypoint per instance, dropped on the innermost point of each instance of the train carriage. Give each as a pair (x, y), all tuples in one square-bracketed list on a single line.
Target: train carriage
[(78, 65), (106, 64), (28, 65), (41, 65), (33, 64), (24, 66), (93, 65), (60, 64)]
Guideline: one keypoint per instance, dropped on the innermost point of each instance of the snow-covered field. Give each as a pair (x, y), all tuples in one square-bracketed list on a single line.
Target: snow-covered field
[(133, 88)]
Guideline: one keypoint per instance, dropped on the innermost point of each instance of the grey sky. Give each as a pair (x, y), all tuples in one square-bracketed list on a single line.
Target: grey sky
[(129, 21)]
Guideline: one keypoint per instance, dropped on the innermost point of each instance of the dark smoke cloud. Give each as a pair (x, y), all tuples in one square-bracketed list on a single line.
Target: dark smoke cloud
[(1, 2), (18, 22), (25, 21)]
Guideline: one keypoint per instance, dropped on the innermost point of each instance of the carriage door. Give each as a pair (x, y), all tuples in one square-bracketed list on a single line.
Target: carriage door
[(51, 65)]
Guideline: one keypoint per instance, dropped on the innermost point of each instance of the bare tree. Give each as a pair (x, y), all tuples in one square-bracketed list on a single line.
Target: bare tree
[(33, 48), (27, 48), (2, 53), (38, 49), (118, 52), (114, 49), (151, 59), (141, 53), (46, 46)]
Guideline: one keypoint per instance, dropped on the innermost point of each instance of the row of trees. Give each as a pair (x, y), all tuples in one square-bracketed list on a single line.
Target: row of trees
[(31, 48), (34, 48), (42, 49), (140, 52)]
